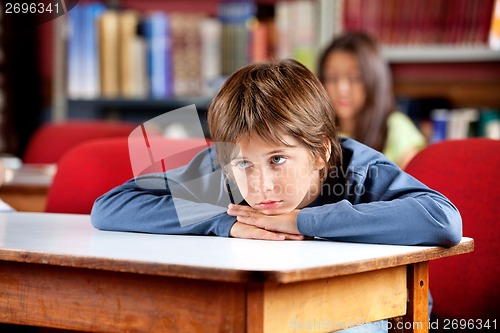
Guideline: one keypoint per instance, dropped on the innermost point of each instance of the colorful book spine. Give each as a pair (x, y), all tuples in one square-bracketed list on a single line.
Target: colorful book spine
[(158, 54), (90, 50), (109, 55), (75, 54), (211, 73), (494, 37), (439, 118), (236, 17), (132, 57), (417, 22), (83, 73), (186, 53), (297, 30), (489, 124)]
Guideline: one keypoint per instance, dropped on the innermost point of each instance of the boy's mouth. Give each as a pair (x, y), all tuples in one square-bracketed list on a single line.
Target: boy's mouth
[(269, 204)]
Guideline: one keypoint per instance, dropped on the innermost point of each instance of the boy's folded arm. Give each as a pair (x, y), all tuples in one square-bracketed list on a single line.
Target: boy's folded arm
[(423, 220), (395, 208), (131, 208), (146, 203)]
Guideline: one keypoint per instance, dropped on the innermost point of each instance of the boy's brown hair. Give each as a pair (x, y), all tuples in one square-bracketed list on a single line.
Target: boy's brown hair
[(272, 99)]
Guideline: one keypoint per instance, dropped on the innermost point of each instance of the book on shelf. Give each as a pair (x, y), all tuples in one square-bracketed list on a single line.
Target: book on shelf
[(494, 31), (83, 49), (453, 124), (109, 53), (489, 124), (236, 37), (131, 59), (156, 29), (186, 54), (75, 56), (439, 120), (210, 33), (296, 27)]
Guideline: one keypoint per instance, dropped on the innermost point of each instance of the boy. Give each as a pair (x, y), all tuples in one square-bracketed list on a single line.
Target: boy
[(281, 154)]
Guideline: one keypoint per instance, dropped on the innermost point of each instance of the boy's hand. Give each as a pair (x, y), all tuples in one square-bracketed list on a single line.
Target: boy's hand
[(242, 230), (284, 224)]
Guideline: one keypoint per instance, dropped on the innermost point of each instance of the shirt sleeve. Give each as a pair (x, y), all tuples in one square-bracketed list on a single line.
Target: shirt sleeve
[(387, 206), (190, 200), (402, 137)]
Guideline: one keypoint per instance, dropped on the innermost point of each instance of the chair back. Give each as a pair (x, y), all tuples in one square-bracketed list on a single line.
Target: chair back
[(49, 143), (466, 172), (92, 168)]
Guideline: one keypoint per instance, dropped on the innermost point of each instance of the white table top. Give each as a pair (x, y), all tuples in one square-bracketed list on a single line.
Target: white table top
[(70, 240)]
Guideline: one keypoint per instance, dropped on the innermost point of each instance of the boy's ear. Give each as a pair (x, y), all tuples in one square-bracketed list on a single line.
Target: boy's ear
[(327, 146), (328, 149)]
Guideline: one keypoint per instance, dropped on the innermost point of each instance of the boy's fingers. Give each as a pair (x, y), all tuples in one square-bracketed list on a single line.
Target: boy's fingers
[(239, 210), (266, 235), (241, 230), (293, 237), (266, 223), (249, 220)]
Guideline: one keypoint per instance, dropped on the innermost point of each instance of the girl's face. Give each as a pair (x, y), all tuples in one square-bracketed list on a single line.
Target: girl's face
[(276, 179), (344, 83)]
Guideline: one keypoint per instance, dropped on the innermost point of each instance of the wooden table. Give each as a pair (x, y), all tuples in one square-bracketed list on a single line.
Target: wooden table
[(26, 189), (58, 271)]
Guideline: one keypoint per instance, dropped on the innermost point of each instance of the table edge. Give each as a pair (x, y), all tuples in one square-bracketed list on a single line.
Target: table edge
[(233, 275)]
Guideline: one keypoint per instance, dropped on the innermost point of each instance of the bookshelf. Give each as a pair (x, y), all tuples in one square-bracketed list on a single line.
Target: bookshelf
[(3, 125), (20, 102), (440, 53), (435, 48), (434, 59), (7, 144), (131, 107)]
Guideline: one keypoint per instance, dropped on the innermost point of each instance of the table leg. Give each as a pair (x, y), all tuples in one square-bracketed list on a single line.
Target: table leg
[(417, 313), (417, 316), (255, 308)]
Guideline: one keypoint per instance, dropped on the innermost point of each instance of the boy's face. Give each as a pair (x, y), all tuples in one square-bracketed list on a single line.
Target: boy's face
[(276, 179)]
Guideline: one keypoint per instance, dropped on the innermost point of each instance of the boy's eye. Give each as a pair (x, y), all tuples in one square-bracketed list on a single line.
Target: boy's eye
[(278, 159), (243, 164)]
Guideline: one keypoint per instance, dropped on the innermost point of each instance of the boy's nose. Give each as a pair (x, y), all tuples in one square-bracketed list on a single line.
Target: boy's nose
[(266, 181)]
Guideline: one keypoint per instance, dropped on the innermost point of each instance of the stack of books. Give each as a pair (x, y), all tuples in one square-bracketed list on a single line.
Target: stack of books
[(417, 22), (156, 54)]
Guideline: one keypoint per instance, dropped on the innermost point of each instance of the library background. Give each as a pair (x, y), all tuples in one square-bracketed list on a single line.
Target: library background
[(134, 60)]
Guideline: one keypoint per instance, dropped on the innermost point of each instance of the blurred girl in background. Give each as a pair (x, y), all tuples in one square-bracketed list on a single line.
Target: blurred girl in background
[(359, 84)]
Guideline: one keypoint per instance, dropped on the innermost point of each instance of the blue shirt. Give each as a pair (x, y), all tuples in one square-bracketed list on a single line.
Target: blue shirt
[(370, 199)]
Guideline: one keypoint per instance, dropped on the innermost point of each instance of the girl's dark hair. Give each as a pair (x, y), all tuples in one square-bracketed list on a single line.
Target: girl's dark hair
[(371, 125), (272, 99)]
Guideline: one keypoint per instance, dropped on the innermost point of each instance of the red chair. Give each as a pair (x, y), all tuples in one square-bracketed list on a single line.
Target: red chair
[(49, 143), (466, 172), (92, 168)]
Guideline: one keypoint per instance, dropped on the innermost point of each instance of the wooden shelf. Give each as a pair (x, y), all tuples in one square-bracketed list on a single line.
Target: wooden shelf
[(126, 103), (440, 53)]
